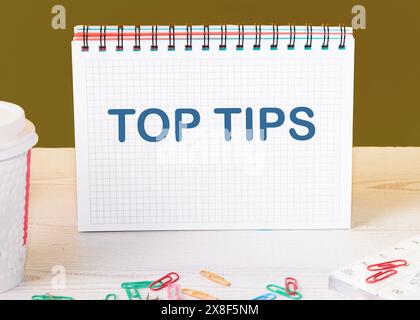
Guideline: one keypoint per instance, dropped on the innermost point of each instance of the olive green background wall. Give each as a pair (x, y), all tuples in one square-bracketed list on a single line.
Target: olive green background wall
[(35, 60)]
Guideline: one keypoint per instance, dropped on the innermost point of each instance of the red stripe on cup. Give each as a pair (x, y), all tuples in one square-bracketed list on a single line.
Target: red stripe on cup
[(28, 176)]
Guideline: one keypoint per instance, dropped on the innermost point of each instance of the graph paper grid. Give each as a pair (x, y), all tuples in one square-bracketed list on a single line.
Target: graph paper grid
[(203, 181)]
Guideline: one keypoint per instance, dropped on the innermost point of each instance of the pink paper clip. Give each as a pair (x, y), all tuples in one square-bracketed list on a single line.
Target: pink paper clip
[(381, 275), (165, 281), (173, 292), (387, 265), (290, 286)]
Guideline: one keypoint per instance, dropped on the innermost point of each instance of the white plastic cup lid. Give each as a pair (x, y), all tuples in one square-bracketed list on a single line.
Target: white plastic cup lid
[(17, 134)]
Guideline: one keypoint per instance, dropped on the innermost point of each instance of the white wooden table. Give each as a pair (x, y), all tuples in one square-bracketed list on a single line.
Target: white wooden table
[(386, 209)]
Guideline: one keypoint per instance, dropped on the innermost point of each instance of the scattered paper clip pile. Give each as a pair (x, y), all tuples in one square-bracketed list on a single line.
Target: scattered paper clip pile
[(289, 291), (384, 270), (134, 290), (173, 290)]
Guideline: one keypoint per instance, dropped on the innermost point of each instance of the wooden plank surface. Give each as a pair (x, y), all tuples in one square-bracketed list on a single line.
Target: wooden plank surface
[(386, 209)]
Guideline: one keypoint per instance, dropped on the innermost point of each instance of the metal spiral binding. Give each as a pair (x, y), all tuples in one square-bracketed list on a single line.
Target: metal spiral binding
[(326, 41), (136, 46), (120, 41), (102, 38), (257, 45), (85, 46), (275, 43), (171, 45), (206, 38), (308, 44), (342, 37), (292, 37), (241, 36), (154, 46), (188, 46), (223, 37)]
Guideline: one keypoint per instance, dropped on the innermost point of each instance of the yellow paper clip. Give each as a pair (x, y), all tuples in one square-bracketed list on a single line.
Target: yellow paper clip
[(215, 278), (198, 294)]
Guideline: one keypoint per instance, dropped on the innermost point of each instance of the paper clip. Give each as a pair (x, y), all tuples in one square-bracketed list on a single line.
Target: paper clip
[(381, 275), (111, 296), (173, 292), (282, 292), (165, 281), (215, 278), (50, 297), (198, 294), (290, 282), (132, 288), (267, 296), (387, 265)]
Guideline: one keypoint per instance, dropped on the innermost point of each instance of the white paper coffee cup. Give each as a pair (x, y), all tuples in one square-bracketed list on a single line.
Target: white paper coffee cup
[(17, 137)]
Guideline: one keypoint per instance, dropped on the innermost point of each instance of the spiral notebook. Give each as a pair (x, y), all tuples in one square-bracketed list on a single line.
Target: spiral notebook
[(213, 127)]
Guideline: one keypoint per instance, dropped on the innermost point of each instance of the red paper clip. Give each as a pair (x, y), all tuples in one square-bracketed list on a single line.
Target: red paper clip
[(290, 282), (387, 265), (165, 281), (381, 275)]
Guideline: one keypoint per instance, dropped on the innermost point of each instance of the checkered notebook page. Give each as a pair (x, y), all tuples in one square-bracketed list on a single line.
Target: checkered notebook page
[(204, 181)]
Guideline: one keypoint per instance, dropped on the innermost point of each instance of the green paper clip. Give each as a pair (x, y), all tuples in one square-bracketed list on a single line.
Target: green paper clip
[(132, 288), (111, 296), (50, 297), (282, 292)]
